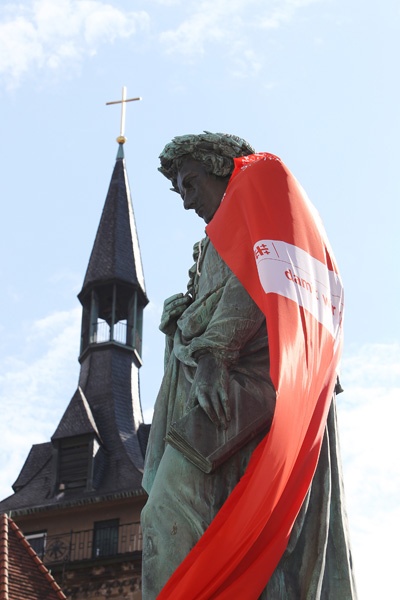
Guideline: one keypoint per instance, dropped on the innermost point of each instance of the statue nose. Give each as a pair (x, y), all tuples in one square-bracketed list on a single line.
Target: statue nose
[(187, 202)]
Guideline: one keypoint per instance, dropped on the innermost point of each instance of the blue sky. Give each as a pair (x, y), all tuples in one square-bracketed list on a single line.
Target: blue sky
[(313, 81)]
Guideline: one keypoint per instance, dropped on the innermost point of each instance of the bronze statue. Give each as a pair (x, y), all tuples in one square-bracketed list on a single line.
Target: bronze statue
[(216, 382)]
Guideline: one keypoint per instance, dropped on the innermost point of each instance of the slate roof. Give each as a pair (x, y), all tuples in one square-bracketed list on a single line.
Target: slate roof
[(77, 419), (116, 252), (38, 457), (110, 382), (22, 573)]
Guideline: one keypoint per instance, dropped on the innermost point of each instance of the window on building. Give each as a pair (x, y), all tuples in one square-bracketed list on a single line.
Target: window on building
[(37, 540), (73, 463), (105, 538), (76, 456)]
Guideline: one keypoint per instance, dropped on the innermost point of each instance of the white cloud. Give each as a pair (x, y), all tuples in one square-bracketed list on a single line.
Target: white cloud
[(283, 11), (189, 37), (48, 34), (209, 21), (229, 22), (246, 62)]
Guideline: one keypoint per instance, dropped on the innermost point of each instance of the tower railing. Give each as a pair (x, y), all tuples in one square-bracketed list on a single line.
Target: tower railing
[(103, 332)]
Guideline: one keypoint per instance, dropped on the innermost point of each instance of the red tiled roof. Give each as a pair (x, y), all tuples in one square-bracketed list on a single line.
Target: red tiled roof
[(23, 576)]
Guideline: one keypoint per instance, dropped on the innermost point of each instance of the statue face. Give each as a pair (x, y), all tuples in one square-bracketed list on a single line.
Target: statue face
[(199, 190)]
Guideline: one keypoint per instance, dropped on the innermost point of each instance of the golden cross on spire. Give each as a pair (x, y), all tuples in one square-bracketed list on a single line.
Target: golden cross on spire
[(121, 139)]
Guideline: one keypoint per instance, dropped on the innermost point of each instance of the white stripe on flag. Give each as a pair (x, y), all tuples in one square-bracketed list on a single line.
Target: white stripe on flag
[(290, 271)]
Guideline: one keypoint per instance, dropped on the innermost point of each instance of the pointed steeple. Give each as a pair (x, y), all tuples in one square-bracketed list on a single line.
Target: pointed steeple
[(113, 293), (116, 253)]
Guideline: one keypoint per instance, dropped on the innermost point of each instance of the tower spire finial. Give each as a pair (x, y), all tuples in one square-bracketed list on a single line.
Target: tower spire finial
[(121, 139)]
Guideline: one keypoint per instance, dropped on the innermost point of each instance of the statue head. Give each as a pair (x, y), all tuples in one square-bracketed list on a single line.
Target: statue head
[(215, 151)]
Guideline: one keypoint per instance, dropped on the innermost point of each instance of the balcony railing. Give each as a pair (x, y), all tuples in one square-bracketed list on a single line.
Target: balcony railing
[(92, 544)]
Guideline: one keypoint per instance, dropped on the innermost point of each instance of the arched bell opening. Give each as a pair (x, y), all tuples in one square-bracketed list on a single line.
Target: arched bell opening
[(112, 313)]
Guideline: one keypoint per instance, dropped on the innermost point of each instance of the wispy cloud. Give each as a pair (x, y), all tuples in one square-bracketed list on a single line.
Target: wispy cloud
[(246, 62), (46, 36), (50, 34), (229, 23), (207, 21), (35, 387), (282, 11)]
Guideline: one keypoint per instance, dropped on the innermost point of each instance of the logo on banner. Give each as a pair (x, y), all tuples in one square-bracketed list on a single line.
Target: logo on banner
[(291, 272)]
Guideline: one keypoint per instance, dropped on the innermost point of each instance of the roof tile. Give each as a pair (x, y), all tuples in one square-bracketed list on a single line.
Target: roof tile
[(22, 573)]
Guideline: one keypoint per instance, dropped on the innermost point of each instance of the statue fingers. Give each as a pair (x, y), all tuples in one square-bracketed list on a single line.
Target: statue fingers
[(172, 299), (177, 301), (192, 398), (212, 411), (174, 309), (224, 402)]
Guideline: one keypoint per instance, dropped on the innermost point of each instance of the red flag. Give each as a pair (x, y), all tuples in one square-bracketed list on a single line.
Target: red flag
[(271, 237)]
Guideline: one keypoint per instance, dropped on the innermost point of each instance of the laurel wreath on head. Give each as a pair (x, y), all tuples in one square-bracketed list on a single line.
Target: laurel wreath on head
[(215, 150)]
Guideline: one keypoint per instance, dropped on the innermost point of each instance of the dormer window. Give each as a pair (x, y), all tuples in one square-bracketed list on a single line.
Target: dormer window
[(75, 462)]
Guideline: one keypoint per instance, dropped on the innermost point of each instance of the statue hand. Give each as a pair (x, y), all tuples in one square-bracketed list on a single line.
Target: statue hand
[(174, 307), (210, 389)]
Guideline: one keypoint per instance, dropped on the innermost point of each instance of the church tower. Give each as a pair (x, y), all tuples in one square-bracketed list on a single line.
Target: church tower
[(78, 497)]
